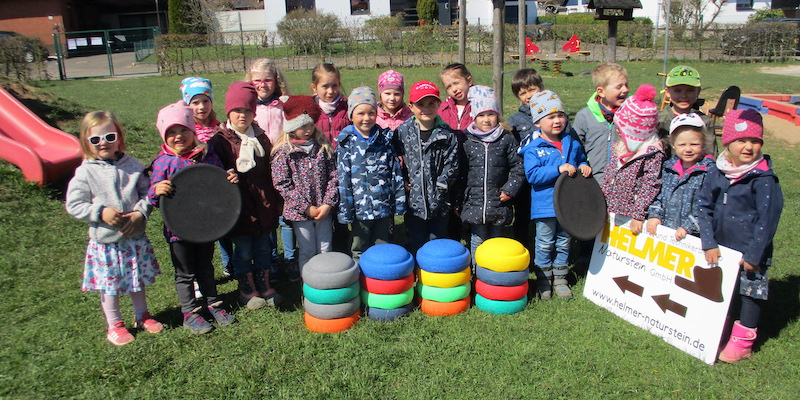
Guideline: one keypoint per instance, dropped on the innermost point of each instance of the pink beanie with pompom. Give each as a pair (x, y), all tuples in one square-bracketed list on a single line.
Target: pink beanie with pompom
[(637, 118)]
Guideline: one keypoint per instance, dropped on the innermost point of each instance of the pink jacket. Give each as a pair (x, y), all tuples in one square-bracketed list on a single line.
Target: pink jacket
[(449, 113), (269, 117), (331, 125), (386, 120)]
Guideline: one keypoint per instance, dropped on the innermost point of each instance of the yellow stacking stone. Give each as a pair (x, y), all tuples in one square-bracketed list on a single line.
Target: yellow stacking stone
[(443, 280), (502, 255)]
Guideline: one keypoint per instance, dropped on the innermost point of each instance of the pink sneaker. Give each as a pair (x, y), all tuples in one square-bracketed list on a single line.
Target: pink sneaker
[(119, 335), (148, 323)]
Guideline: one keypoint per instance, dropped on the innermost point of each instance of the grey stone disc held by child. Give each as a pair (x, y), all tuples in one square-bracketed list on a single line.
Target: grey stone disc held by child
[(204, 205)]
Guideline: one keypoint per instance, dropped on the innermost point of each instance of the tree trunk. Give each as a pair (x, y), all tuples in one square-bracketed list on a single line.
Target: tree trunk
[(462, 31), (498, 50), (523, 20)]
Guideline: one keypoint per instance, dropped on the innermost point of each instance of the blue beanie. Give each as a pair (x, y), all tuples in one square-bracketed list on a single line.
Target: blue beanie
[(194, 85)]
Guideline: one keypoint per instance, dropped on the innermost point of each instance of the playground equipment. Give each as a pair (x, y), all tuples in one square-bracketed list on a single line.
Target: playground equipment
[(786, 106), (42, 152)]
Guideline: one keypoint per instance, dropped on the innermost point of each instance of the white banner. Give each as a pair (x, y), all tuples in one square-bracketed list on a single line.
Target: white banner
[(663, 285)]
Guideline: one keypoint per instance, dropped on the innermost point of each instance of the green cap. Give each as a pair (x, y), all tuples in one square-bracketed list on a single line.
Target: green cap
[(683, 75)]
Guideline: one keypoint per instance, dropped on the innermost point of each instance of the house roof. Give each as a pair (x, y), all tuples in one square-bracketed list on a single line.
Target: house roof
[(629, 4)]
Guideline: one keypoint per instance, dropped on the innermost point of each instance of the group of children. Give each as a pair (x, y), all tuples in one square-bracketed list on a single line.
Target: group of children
[(325, 165)]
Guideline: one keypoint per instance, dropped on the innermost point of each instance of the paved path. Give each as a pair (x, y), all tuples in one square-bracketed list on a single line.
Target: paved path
[(124, 64)]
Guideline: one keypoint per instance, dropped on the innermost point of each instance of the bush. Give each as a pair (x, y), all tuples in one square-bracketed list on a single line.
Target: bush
[(763, 14), (308, 30), (21, 55), (426, 11), (762, 39), (176, 14), (385, 30)]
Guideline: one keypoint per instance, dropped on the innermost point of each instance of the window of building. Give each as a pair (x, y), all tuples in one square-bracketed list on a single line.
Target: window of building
[(292, 5), (744, 5), (359, 7)]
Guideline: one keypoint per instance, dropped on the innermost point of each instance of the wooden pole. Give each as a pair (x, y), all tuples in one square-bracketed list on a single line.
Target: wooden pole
[(612, 40), (462, 31), (521, 24), (498, 50)]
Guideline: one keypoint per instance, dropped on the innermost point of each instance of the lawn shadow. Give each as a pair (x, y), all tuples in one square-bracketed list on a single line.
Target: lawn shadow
[(782, 308), (171, 317)]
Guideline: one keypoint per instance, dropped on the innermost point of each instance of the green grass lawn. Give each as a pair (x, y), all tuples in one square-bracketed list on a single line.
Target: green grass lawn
[(52, 340)]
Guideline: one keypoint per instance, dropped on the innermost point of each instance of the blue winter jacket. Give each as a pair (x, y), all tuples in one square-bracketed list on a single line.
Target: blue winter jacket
[(430, 168), (370, 179), (676, 204), (522, 124), (742, 215), (541, 160)]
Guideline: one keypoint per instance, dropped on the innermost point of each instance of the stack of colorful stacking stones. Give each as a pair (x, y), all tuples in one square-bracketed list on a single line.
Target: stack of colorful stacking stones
[(331, 293), (502, 276), (444, 277), (387, 287)]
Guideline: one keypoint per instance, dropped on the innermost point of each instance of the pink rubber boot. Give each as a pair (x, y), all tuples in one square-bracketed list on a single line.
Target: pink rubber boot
[(739, 345)]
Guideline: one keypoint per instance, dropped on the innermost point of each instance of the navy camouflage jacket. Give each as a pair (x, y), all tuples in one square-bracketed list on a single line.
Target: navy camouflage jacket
[(370, 179)]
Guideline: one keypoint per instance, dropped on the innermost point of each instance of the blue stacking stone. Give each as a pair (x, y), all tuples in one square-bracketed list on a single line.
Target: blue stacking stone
[(444, 256), (386, 262), (513, 278), (380, 314)]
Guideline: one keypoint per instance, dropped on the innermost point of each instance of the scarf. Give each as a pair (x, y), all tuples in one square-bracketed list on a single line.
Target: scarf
[(732, 172), (608, 114), (328, 108), (628, 155), (486, 137), (248, 149), (267, 101)]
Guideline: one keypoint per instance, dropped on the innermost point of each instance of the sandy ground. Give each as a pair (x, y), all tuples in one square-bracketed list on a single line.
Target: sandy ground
[(791, 70), (777, 127)]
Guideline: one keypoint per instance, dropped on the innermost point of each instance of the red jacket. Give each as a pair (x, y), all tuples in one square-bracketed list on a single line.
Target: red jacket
[(449, 113), (331, 125)]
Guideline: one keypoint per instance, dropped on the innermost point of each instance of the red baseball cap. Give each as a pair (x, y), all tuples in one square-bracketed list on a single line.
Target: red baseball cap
[(423, 89)]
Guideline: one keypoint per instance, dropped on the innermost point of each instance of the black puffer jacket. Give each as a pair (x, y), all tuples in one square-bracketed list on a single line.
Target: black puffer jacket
[(492, 168)]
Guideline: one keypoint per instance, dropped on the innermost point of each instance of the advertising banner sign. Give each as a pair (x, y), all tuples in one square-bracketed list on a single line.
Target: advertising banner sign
[(663, 285)]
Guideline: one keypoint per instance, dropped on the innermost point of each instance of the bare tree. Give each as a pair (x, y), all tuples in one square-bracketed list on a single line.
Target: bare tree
[(200, 15), (693, 15)]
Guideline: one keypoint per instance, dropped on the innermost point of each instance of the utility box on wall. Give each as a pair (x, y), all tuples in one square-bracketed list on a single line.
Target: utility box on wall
[(444, 12)]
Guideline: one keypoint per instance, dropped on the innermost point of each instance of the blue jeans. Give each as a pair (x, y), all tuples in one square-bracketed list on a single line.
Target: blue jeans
[(287, 237), (225, 250), (480, 233), (420, 231), (552, 243), (251, 253)]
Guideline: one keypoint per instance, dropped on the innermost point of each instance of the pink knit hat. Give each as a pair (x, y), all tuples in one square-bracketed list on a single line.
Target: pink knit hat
[(240, 95), (740, 124), (174, 114), (391, 79), (637, 118)]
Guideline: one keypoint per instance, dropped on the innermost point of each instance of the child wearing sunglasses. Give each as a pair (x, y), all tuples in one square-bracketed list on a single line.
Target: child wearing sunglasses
[(109, 191)]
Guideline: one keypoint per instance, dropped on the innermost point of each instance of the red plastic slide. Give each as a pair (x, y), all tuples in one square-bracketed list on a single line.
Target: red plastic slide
[(42, 152)]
